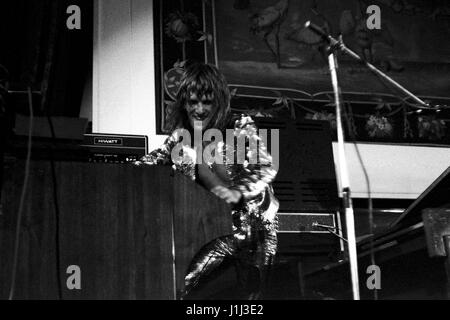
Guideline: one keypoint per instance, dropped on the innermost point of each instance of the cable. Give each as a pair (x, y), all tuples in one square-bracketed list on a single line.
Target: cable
[(22, 196), (56, 207)]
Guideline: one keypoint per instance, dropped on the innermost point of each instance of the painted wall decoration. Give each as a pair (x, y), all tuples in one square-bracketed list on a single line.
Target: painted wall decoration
[(268, 37), (277, 67)]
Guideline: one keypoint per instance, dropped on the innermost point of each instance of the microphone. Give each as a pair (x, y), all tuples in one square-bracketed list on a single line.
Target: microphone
[(318, 225), (330, 229), (317, 30)]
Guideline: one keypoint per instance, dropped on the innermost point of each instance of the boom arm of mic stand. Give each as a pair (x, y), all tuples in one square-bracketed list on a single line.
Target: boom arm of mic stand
[(339, 45)]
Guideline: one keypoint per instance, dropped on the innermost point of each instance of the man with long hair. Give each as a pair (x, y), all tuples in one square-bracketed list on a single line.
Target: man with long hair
[(202, 103)]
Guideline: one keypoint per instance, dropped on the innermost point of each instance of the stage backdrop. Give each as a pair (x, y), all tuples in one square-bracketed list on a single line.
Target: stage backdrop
[(265, 44), (277, 67)]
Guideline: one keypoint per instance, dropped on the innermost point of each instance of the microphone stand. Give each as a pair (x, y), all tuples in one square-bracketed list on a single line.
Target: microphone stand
[(335, 45), (345, 181)]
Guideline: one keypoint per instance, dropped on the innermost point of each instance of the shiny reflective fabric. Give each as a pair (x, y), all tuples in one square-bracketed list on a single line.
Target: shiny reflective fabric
[(250, 253), (254, 239)]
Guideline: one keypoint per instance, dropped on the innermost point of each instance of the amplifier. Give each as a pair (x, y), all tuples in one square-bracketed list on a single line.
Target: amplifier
[(310, 232), (307, 222), (306, 179), (115, 148)]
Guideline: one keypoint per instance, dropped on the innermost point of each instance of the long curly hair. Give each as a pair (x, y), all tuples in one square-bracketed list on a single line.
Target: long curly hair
[(201, 79)]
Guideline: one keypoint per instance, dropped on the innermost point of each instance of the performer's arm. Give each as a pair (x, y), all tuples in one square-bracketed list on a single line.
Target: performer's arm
[(160, 156), (254, 178)]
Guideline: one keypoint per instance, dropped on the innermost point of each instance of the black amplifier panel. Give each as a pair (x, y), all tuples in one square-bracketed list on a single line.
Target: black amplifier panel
[(115, 148), (306, 179)]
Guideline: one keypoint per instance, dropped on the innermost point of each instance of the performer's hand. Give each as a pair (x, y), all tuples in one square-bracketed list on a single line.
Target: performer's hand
[(229, 195)]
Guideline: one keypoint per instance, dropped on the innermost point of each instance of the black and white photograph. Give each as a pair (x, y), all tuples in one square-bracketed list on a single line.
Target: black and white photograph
[(213, 152)]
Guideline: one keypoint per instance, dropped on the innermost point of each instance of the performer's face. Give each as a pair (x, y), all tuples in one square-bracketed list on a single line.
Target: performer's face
[(199, 111)]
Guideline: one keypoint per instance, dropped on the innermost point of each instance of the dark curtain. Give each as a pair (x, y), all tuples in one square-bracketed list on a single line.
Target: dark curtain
[(39, 51)]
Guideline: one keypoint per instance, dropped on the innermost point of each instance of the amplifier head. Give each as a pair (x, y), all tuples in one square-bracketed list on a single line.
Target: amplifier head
[(115, 148)]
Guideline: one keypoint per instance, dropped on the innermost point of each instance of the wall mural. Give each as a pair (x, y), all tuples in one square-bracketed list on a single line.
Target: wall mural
[(276, 67)]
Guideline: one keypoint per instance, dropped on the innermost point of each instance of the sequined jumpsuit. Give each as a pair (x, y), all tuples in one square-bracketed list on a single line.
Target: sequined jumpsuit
[(254, 238)]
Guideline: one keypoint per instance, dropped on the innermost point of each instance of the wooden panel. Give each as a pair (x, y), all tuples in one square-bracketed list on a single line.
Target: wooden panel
[(115, 223), (116, 227), (200, 217), (37, 243)]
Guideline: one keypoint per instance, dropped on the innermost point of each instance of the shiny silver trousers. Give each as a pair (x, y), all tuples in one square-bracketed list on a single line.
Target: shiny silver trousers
[(253, 256)]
